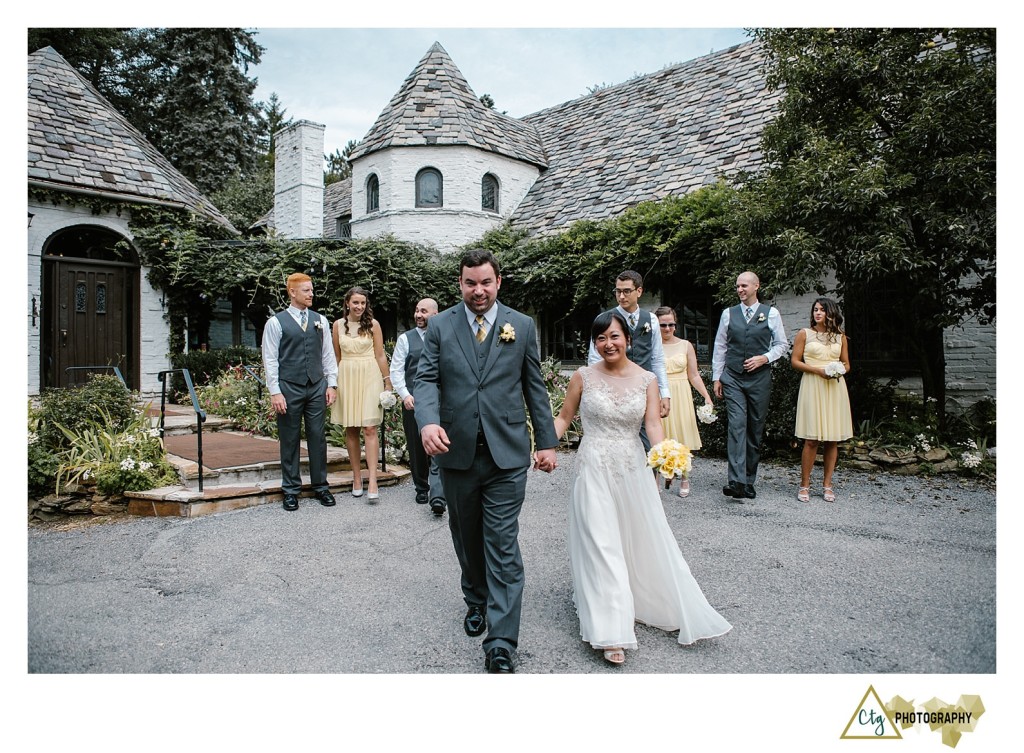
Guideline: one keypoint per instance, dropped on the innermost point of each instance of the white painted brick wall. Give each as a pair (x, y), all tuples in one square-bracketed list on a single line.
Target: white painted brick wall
[(299, 180), (460, 220), (153, 328)]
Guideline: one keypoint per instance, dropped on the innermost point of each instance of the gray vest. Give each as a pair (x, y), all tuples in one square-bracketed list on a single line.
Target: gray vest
[(642, 351), (299, 357), (745, 340), (412, 360)]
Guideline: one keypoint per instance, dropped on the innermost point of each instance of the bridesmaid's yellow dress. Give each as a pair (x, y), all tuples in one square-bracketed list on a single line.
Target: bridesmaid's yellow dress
[(681, 422), (823, 406), (359, 381)]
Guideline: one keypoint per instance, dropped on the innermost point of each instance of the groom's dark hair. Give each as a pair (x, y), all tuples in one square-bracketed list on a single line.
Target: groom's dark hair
[(604, 321), (477, 258)]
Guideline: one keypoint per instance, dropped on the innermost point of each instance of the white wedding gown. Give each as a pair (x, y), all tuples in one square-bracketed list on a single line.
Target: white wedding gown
[(626, 564)]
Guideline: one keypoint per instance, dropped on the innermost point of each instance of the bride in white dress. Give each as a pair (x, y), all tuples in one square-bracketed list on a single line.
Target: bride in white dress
[(626, 564)]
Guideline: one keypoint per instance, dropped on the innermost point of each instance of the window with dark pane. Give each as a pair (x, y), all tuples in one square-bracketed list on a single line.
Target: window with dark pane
[(343, 226), (372, 195), (101, 298), (80, 297), (429, 188), (489, 193)]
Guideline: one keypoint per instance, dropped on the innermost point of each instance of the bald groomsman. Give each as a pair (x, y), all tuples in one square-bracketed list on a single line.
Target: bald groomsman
[(750, 336), (404, 363)]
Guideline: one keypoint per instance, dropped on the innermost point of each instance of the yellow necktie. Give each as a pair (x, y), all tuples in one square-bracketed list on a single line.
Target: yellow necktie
[(302, 321), (481, 328)]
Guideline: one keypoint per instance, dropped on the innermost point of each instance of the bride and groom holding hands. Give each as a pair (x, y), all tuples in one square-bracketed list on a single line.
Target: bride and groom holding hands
[(478, 374)]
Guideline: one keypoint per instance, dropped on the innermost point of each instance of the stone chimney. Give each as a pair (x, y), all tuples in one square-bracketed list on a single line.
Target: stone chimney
[(299, 180)]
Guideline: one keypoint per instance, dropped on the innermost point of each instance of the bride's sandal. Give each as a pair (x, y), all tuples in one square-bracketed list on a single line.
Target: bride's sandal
[(804, 494), (829, 494), (615, 655)]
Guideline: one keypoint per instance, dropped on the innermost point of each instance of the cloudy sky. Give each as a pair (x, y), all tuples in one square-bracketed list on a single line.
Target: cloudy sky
[(343, 78)]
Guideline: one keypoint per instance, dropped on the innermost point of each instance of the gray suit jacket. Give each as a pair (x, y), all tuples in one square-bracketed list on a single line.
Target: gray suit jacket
[(451, 392)]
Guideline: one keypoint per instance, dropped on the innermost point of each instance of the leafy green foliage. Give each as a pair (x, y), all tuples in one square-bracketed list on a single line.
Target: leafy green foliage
[(670, 242), (237, 395), (246, 197), (881, 166), (102, 399), (127, 458)]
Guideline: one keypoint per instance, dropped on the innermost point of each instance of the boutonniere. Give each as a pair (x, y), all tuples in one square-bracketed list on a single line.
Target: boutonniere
[(647, 328), (319, 324), (507, 333), (760, 318)]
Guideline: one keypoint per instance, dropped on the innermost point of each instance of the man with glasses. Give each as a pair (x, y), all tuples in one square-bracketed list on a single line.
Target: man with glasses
[(645, 349)]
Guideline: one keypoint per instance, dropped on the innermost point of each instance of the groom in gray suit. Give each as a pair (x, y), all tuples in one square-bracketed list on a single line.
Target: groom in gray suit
[(480, 364)]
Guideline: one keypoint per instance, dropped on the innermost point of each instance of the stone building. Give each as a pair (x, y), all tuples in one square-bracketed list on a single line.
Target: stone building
[(88, 301), (440, 168)]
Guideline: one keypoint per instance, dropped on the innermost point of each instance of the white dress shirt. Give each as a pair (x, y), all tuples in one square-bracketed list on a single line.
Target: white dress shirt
[(272, 342), (398, 362), (657, 353), (777, 349)]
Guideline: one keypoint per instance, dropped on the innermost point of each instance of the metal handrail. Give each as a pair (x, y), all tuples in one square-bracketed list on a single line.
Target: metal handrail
[(200, 413), (260, 384), (117, 372)]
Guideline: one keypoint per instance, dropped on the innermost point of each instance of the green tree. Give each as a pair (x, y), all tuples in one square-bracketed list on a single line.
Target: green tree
[(275, 120), (881, 167), (244, 198), (210, 125), (339, 166)]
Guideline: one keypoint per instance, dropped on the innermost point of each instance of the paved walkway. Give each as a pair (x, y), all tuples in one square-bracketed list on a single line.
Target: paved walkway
[(898, 577)]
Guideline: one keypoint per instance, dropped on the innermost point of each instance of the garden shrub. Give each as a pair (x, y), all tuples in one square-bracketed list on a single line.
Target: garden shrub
[(78, 407), (206, 366)]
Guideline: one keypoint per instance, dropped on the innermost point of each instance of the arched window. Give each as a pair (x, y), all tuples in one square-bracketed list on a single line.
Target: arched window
[(429, 188), (372, 194), (489, 193)]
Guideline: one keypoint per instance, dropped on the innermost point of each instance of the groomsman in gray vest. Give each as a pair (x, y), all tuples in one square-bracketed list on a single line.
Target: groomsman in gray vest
[(645, 349), (302, 378), (750, 337), (404, 363), (478, 375)]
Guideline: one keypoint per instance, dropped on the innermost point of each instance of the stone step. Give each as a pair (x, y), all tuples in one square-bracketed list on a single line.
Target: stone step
[(180, 501)]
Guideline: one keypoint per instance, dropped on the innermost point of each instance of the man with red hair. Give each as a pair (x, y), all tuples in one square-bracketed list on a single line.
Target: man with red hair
[(302, 378)]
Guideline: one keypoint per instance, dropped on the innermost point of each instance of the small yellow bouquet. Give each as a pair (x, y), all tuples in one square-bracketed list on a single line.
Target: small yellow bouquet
[(670, 458)]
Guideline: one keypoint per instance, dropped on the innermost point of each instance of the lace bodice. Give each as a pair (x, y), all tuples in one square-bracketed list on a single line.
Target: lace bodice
[(612, 410)]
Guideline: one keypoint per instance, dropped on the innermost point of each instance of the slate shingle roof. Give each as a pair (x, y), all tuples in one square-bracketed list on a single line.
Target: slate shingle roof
[(337, 203), (665, 133), (435, 105), (76, 139)]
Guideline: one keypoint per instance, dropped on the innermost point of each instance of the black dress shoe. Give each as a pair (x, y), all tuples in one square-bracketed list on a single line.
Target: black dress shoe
[(326, 498), (475, 622), (748, 491), (437, 507), (733, 490), (421, 498), (498, 662), (290, 503)]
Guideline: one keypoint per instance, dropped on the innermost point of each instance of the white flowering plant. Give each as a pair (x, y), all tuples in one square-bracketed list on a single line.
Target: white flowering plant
[(116, 460)]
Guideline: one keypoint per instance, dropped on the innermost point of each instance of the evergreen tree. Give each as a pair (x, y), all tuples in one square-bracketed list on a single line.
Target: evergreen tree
[(274, 116), (209, 125)]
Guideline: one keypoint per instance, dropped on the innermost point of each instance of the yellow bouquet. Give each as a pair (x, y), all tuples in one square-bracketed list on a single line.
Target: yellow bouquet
[(670, 458)]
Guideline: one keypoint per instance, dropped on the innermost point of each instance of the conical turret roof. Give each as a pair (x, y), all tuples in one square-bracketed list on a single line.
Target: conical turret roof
[(436, 106)]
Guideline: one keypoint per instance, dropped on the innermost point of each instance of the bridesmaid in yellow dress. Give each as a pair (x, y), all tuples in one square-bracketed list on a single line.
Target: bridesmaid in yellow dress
[(681, 367), (823, 406), (362, 374)]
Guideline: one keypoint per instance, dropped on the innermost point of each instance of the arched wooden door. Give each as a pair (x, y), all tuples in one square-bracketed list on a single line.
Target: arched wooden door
[(90, 284)]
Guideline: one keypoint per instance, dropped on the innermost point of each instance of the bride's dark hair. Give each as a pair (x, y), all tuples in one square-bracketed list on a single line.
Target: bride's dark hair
[(604, 321)]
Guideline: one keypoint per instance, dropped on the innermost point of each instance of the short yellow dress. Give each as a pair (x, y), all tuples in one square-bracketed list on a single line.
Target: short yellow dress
[(823, 406), (359, 382), (681, 422)]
